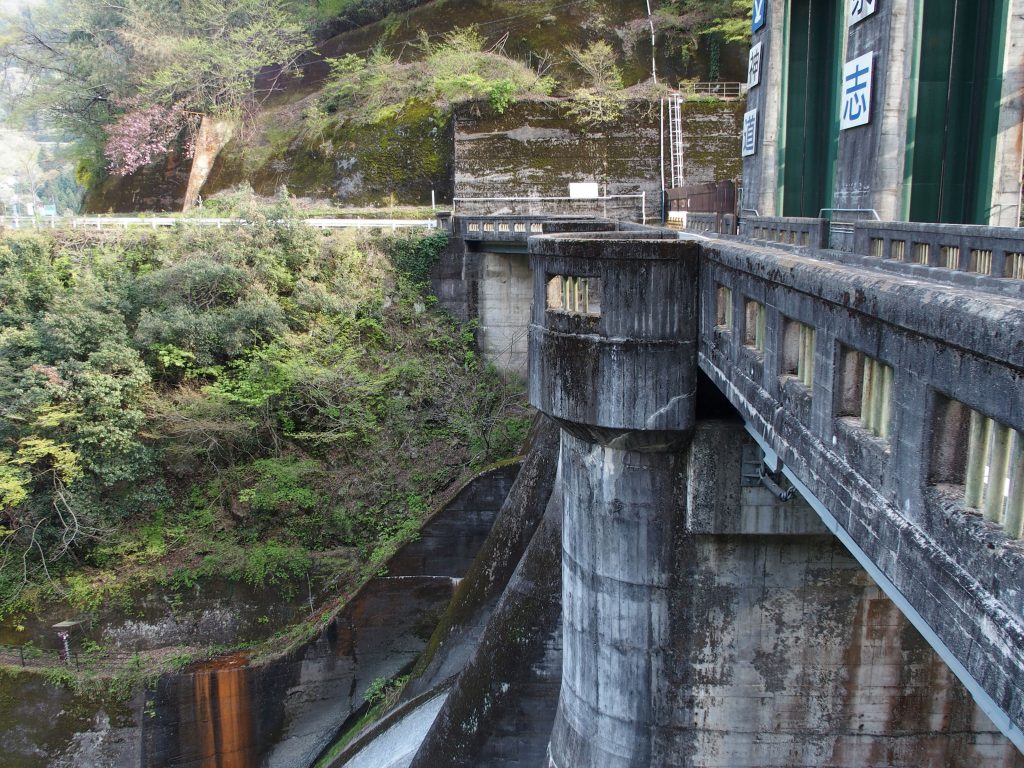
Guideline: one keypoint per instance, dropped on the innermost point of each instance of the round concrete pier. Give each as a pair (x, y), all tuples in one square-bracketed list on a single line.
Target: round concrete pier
[(616, 561)]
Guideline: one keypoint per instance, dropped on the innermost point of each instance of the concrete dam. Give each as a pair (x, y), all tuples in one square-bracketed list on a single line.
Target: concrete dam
[(738, 565)]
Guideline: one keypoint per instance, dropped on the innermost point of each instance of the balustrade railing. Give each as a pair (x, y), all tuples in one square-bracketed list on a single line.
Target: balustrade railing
[(993, 251)]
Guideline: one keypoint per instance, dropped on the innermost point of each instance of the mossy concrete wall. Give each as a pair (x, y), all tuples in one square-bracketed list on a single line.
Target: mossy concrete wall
[(535, 149), (711, 140)]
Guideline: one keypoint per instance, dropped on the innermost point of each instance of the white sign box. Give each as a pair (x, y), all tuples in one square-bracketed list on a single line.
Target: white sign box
[(754, 66), (584, 190), (855, 97), (749, 146), (859, 9)]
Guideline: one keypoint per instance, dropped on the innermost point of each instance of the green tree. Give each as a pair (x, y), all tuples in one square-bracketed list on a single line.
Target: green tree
[(130, 76), (600, 100), (458, 68), (719, 21)]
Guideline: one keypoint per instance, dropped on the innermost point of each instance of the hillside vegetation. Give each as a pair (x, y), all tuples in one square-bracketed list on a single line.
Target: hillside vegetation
[(308, 89), (240, 403)]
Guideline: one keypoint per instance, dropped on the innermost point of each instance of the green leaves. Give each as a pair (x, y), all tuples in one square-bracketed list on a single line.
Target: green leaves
[(459, 68), (415, 255), (279, 486), (602, 99), (39, 455), (294, 393)]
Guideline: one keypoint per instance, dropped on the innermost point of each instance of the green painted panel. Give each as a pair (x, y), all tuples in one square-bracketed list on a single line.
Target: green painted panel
[(955, 126), (810, 145)]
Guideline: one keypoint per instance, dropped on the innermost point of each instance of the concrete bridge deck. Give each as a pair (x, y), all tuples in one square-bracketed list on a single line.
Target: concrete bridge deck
[(895, 405)]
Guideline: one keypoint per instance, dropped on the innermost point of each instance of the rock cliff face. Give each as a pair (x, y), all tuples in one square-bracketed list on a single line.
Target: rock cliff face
[(156, 187), (532, 149), (403, 160)]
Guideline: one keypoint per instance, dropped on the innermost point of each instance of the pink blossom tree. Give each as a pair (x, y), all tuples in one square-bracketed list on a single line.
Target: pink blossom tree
[(140, 136)]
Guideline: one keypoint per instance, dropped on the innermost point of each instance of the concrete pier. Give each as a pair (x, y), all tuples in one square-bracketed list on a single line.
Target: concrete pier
[(616, 567), (613, 359)]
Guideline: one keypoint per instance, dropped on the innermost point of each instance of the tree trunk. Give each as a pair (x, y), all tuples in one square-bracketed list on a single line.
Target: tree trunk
[(213, 134)]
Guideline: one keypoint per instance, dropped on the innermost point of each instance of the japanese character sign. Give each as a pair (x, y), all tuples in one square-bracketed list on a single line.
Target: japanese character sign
[(859, 9), (855, 100), (760, 11), (749, 133), (754, 66)]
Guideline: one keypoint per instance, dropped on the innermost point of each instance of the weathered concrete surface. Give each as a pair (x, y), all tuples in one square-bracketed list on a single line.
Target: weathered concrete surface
[(723, 495), (711, 132), (218, 611), (760, 191), (631, 367), (616, 567), (750, 662), (788, 655), (623, 385), (534, 150), (506, 288), (878, 184), (486, 276), (784, 653), (778, 651), (1006, 187), (501, 706), (457, 634), (961, 574)]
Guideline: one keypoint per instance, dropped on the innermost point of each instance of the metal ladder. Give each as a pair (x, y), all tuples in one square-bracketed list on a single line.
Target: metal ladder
[(675, 135)]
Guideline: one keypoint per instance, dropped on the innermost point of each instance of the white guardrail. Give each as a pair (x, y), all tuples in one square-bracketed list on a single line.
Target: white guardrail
[(153, 222)]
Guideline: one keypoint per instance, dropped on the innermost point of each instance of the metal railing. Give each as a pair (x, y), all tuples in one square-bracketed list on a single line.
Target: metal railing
[(714, 89), (603, 199), (156, 222)]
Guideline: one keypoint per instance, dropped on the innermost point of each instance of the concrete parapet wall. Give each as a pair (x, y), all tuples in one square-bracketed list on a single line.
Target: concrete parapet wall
[(995, 251), (794, 230), (961, 574)]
